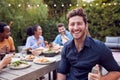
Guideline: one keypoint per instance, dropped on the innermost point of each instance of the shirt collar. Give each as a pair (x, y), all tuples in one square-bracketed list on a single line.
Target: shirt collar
[(86, 42), (34, 37)]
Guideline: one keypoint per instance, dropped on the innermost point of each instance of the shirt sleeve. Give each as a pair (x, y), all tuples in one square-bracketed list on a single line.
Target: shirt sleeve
[(64, 65), (108, 61), (58, 40), (28, 43)]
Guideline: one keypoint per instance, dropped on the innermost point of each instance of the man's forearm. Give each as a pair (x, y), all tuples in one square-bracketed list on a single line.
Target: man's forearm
[(61, 76), (114, 75)]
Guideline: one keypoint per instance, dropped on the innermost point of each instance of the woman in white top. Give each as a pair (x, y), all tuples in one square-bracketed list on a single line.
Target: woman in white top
[(36, 39)]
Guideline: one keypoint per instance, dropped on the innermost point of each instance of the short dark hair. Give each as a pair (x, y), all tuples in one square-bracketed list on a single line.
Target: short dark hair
[(2, 25), (60, 25), (35, 28), (29, 31), (77, 12)]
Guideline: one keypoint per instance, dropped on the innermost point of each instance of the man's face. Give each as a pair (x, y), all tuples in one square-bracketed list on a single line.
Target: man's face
[(6, 32), (61, 30), (77, 27)]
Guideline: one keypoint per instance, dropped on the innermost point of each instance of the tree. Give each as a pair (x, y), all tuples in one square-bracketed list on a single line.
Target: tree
[(104, 18), (22, 13)]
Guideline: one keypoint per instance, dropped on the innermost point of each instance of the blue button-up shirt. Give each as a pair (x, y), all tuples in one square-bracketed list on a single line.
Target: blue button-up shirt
[(32, 42), (76, 65), (58, 38)]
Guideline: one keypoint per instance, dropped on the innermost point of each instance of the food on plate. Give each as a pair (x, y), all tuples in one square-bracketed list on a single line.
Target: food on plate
[(41, 60), (36, 52), (49, 51), (29, 57), (18, 63)]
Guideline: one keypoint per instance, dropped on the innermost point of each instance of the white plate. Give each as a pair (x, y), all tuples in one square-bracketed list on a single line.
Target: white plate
[(21, 66), (50, 60), (28, 59)]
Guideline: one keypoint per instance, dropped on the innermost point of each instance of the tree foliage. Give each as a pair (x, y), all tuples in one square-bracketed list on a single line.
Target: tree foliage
[(22, 14), (104, 20)]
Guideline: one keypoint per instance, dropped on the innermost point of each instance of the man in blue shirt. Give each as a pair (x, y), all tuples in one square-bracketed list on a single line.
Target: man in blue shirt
[(81, 54), (64, 35)]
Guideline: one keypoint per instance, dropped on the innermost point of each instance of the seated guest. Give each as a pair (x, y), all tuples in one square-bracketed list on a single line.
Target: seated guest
[(35, 38), (64, 35), (6, 60), (6, 41)]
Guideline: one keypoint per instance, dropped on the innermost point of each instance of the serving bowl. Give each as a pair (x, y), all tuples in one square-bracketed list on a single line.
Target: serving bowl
[(49, 53)]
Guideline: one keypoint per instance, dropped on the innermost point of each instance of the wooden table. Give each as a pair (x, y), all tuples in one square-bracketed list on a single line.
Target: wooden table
[(33, 72)]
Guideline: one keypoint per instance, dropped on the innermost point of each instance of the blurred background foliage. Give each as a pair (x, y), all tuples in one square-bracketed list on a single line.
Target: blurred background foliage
[(103, 17)]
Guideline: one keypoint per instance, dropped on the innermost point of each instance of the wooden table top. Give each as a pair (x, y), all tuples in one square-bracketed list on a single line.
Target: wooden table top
[(33, 72)]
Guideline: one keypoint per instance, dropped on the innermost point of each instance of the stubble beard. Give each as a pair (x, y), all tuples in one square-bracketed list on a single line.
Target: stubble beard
[(81, 36)]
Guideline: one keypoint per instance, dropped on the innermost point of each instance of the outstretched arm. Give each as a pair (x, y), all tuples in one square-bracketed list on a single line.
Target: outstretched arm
[(6, 60)]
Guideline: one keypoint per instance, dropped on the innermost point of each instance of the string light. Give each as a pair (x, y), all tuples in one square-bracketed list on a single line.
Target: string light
[(90, 4), (103, 3), (9, 5), (46, 5), (84, 4), (54, 5), (77, 5), (70, 4), (109, 4), (88, 1), (29, 5), (96, 4), (19, 5), (115, 3), (38, 5), (62, 5)]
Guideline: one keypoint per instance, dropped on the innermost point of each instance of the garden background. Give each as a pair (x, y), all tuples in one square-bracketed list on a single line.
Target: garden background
[(103, 17)]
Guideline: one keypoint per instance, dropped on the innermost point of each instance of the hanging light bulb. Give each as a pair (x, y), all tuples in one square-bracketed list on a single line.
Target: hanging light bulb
[(90, 4), (38, 5), (109, 4), (29, 5), (70, 4), (84, 4), (103, 3), (62, 5), (77, 5), (19, 5), (115, 3), (96, 4), (9, 5), (88, 1), (54, 5), (46, 5)]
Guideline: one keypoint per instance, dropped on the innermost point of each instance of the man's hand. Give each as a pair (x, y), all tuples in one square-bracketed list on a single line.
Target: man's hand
[(4, 49), (7, 59), (95, 74)]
